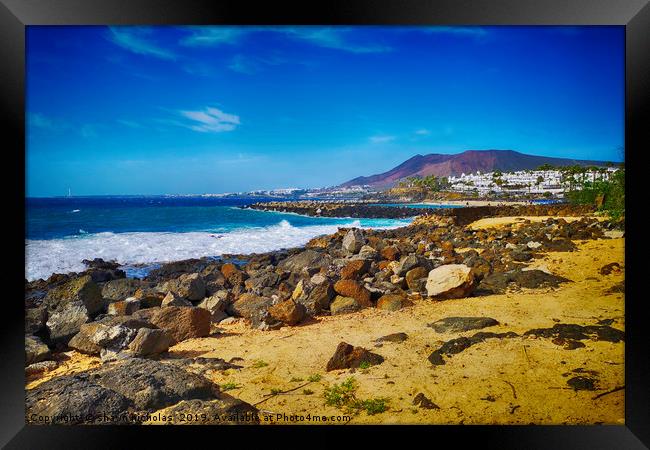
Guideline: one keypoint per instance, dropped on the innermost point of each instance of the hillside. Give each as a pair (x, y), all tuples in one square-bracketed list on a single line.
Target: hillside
[(466, 162)]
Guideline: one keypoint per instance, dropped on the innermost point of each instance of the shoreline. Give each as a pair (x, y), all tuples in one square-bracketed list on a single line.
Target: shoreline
[(270, 324)]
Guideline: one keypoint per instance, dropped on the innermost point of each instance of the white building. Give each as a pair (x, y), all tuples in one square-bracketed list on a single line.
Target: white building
[(519, 182)]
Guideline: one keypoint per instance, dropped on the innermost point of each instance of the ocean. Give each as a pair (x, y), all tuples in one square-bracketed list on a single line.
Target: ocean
[(141, 232)]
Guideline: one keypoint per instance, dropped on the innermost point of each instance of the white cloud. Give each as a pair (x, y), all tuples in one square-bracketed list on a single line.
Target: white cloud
[(213, 36), (38, 120), (334, 38), (242, 64), (474, 31), (129, 123), (134, 39), (423, 132), (381, 139), (338, 38), (211, 120)]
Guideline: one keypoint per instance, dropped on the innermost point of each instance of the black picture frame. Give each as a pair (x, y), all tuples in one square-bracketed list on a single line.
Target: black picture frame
[(15, 15)]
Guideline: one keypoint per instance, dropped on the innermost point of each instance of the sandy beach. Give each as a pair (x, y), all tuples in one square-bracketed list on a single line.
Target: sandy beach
[(517, 380)]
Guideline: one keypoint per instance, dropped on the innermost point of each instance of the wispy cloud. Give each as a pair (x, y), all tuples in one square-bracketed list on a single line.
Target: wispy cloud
[(381, 139), (136, 40), (214, 36), (422, 132), (339, 38), (90, 130), (334, 38), (475, 31), (243, 64), (38, 120), (210, 120), (129, 123)]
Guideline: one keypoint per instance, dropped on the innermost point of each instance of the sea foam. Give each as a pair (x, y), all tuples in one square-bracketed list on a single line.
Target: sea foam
[(45, 257)]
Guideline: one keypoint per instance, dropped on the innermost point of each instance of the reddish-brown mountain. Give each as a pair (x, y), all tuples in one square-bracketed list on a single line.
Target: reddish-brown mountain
[(467, 162)]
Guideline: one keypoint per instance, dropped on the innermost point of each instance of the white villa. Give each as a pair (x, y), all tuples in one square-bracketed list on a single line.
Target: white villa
[(522, 181)]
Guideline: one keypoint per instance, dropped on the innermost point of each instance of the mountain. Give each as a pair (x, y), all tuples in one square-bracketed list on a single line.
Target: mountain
[(467, 162)]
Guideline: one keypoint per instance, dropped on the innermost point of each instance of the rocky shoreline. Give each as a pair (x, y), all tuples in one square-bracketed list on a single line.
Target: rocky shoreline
[(130, 324), (463, 215), (357, 210)]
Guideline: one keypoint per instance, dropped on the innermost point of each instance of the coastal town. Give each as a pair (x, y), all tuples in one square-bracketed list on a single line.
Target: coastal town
[(549, 183)]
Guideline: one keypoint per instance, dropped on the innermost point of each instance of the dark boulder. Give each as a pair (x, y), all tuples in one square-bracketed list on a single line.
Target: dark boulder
[(458, 324), (182, 322), (120, 289), (35, 350), (152, 385), (72, 400), (347, 356)]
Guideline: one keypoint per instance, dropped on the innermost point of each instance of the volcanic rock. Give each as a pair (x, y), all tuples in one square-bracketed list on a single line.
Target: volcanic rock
[(35, 350), (458, 324), (150, 342), (344, 305), (450, 281), (347, 356), (182, 322)]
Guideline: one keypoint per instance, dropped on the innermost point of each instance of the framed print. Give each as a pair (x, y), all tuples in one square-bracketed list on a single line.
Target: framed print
[(361, 213)]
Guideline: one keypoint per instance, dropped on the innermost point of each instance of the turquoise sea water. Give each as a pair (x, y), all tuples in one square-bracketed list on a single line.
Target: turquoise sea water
[(61, 232)]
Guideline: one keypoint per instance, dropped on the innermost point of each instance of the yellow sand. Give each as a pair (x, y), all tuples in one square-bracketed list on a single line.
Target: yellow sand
[(534, 367), (500, 381), (499, 221), (69, 363)]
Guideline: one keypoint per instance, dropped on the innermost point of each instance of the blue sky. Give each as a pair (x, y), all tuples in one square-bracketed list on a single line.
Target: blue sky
[(156, 110)]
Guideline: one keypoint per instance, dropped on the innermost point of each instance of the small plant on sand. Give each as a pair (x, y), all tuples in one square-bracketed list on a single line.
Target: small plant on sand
[(343, 396), (276, 391), (374, 405), (295, 380), (307, 391), (314, 378), (259, 363), (229, 386), (364, 365)]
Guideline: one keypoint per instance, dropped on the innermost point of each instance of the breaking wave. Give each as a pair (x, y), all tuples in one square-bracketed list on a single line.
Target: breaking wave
[(45, 257)]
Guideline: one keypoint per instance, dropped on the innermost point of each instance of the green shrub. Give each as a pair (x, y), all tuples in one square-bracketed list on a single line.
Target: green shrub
[(612, 190), (343, 396)]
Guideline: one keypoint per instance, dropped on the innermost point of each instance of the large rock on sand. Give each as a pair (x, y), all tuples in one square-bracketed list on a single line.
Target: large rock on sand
[(450, 281), (71, 400), (150, 342), (344, 305), (152, 385), (252, 307), (347, 356), (352, 288), (288, 312), (182, 322), (457, 324), (391, 302), (216, 305), (97, 338)]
